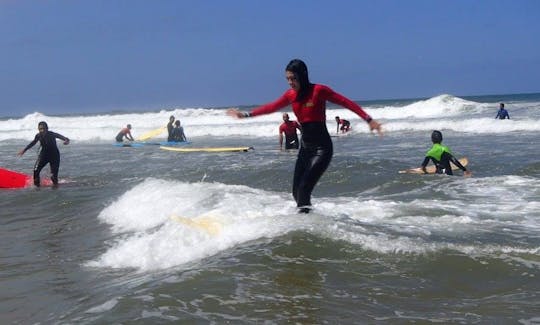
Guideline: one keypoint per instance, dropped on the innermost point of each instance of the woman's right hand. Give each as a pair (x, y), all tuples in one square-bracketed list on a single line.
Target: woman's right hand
[(235, 112)]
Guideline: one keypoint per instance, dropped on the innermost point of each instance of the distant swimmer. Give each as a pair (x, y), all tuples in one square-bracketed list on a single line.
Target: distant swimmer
[(308, 102), (48, 154), (125, 132), (177, 134), (288, 128), (502, 113), (441, 157), (345, 125), (170, 128)]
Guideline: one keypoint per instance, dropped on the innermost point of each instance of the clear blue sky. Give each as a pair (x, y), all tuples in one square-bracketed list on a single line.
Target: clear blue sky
[(70, 56)]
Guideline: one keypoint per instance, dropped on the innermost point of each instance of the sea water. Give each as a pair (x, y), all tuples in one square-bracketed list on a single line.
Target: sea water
[(150, 236)]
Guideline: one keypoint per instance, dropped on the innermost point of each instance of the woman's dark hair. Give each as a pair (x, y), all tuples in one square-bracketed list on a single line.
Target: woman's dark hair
[(299, 68), (43, 124)]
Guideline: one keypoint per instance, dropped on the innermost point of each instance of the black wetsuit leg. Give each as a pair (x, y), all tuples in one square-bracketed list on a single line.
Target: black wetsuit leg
[(445, 163), (313, 159), (54, 163), (44, 158), (38, 166)]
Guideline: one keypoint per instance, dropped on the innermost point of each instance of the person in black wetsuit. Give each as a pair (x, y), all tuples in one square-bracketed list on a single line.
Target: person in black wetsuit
[(441, 157), (177, 133), (170, 128), (308, 102), (48, 154)]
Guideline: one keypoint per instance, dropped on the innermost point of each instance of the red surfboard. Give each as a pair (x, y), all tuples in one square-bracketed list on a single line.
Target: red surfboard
[(12, 179)]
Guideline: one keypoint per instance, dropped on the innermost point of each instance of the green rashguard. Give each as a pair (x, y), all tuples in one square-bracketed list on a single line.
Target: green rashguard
[(441, 157)]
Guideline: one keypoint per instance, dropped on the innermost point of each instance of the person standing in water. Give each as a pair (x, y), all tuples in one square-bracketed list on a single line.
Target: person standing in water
[(441, 157), (502, 113), (48, 154), (170, 128), (308, 102), (125, 132), (288, 128)]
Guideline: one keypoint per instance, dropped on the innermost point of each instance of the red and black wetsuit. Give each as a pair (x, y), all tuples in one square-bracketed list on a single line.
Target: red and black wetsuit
[(48, 154), (291, 138), (316, 146), (345, 125)]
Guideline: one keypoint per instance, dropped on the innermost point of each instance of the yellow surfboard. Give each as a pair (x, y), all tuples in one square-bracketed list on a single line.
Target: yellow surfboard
[(205, 223), (431, 169), (151, 134), (210, 149)]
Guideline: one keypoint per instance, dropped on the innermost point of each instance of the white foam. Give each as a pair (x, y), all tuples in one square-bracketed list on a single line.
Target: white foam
[(216, 217), (108, 305), (443, 112), (150, 239)]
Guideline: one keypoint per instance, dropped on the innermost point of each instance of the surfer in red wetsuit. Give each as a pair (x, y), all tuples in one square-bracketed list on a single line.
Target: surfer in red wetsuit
[(288, 128), (48, 154), (345, 125), (308, 101)]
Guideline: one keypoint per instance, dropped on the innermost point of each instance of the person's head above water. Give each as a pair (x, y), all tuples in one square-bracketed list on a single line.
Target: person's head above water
[(177, 123), (436, 136), (129, 126)]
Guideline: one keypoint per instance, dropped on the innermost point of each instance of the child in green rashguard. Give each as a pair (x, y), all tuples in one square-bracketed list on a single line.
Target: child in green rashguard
[(441, 157)]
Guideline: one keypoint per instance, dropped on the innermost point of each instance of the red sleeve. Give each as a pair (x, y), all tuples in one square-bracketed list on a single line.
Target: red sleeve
[(274, 106), (341, 100)]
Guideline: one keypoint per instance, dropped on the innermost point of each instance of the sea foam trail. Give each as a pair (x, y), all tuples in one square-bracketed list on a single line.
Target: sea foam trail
[(196, 220)]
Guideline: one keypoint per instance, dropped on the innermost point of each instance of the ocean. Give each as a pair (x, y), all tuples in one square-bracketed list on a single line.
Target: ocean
[(143, 235)]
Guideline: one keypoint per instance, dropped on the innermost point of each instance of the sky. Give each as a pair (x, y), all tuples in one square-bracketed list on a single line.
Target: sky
[(82, 57)]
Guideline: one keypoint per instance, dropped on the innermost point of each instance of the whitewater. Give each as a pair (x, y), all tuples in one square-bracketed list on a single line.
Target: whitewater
[(444, 112)]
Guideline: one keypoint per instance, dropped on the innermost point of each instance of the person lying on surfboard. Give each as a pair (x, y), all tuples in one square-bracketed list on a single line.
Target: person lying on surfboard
[(308, 101), (48, 154), (125, 132), (441, 157)]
